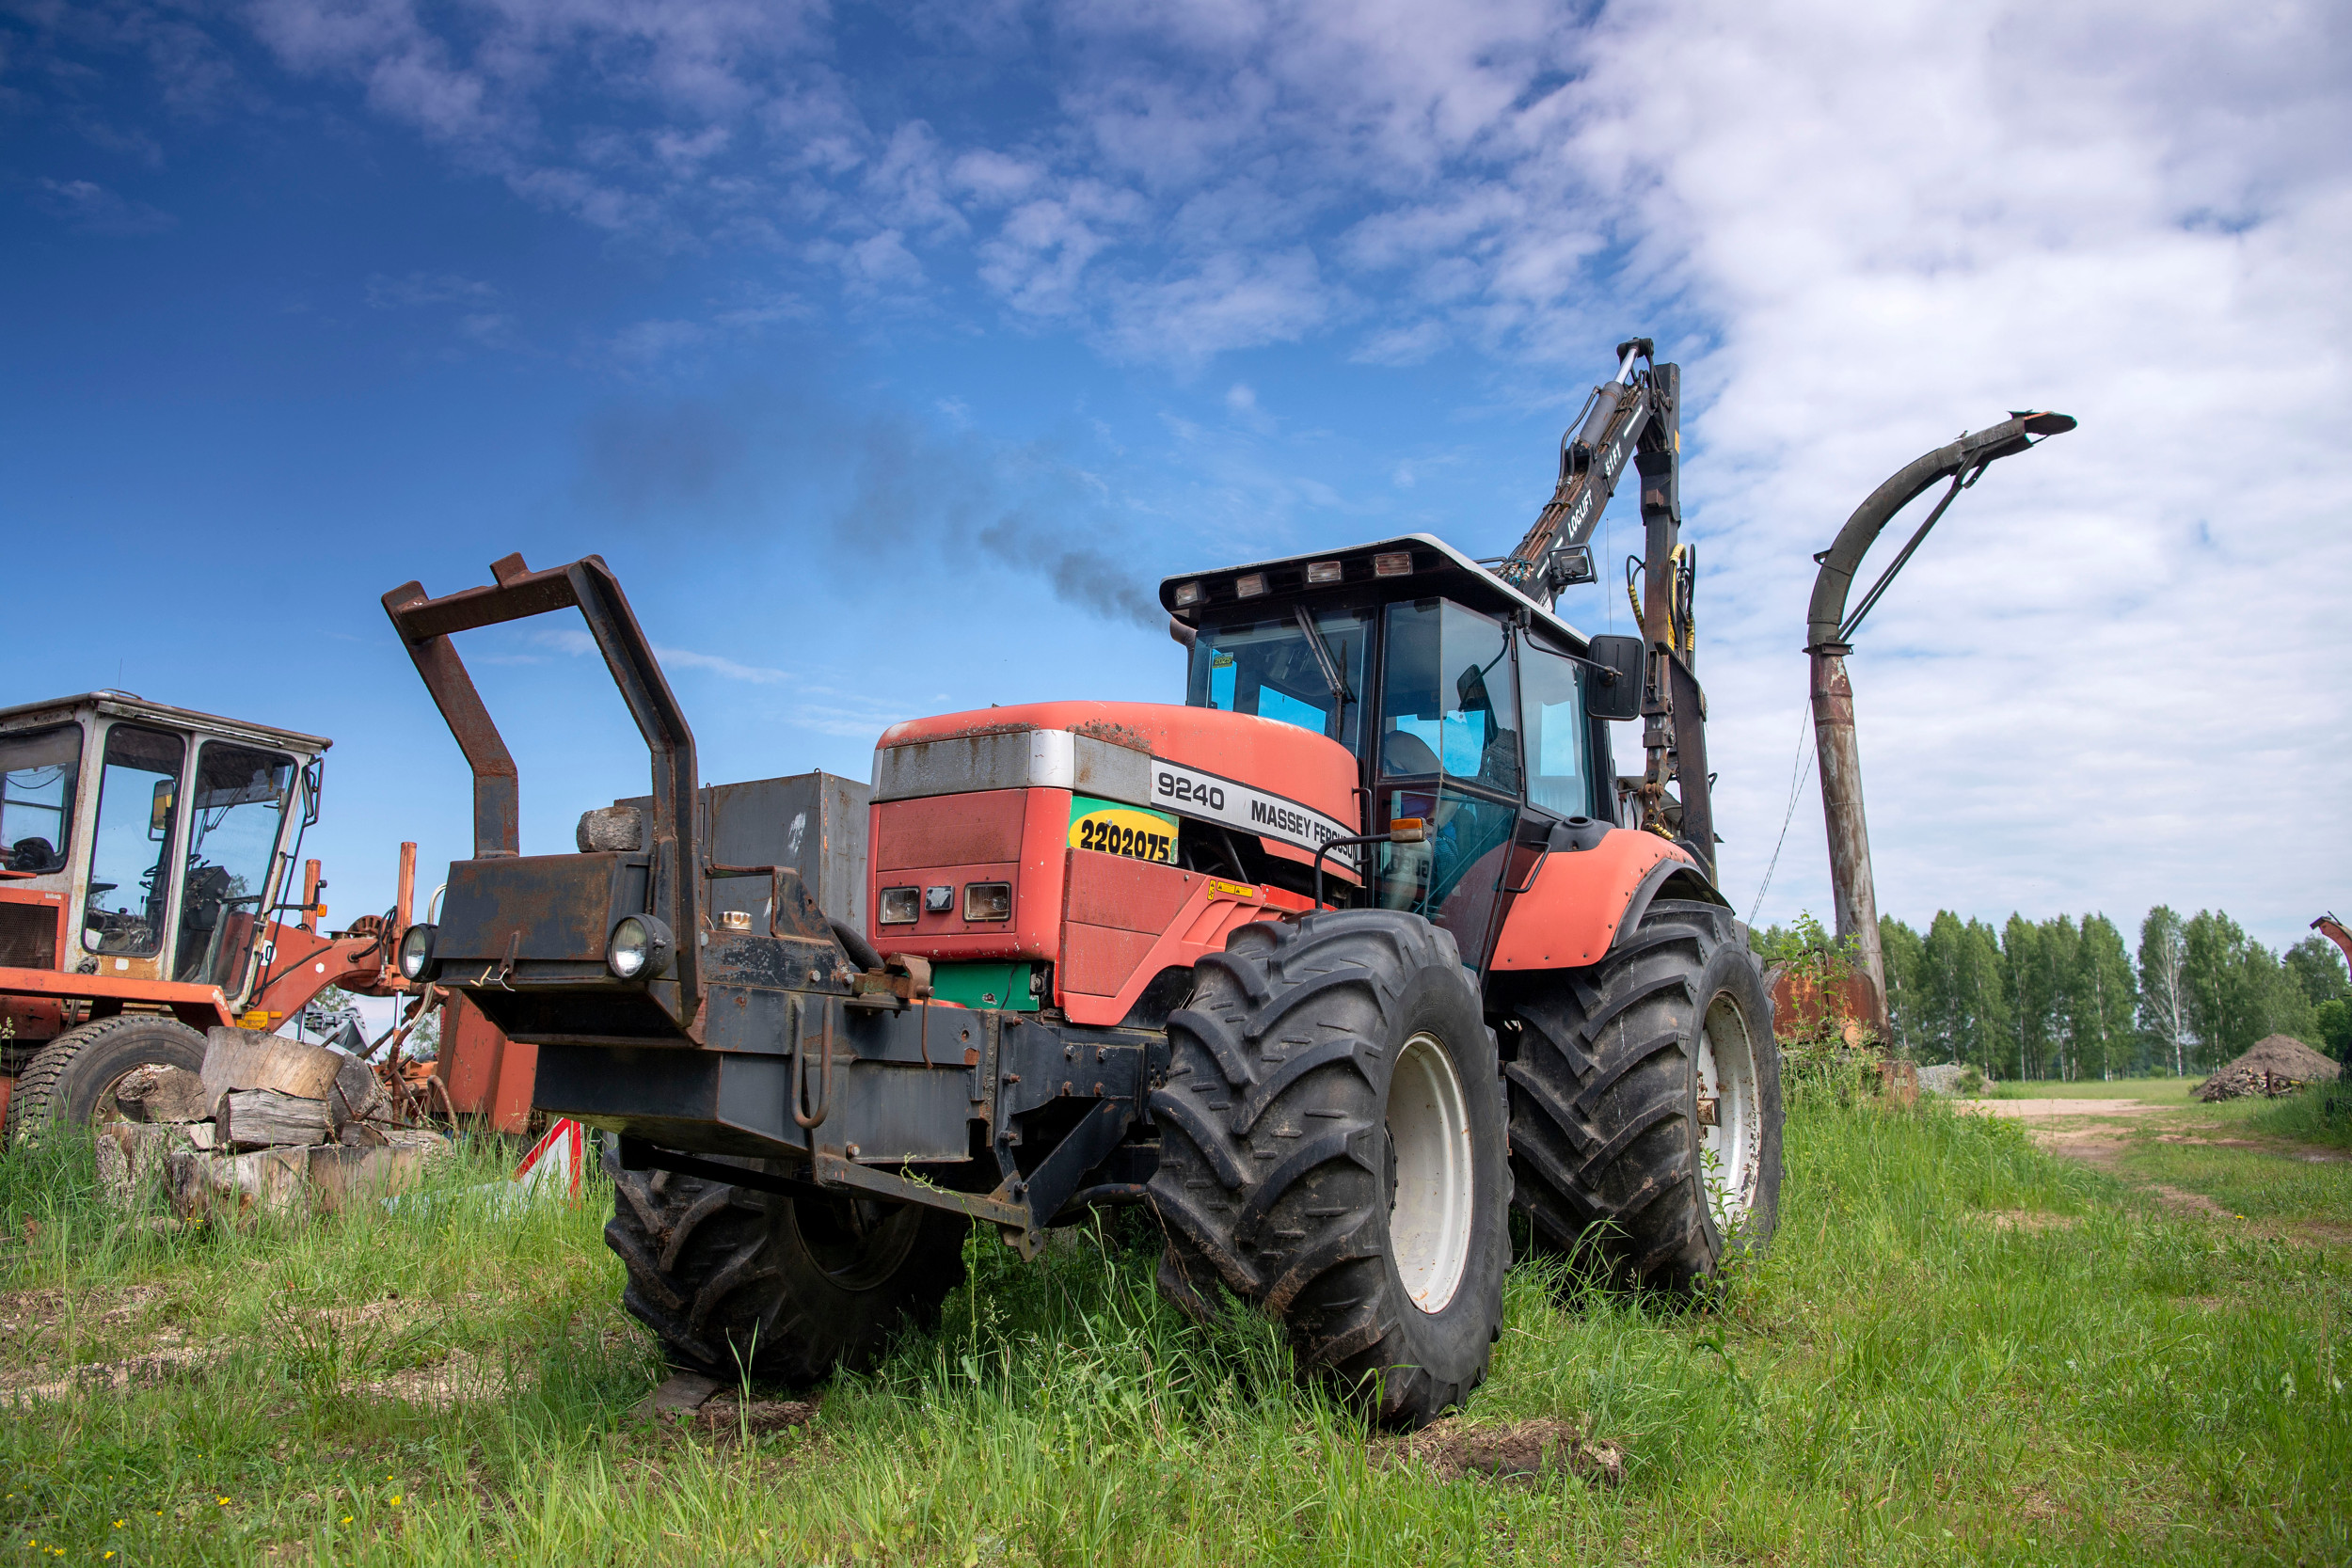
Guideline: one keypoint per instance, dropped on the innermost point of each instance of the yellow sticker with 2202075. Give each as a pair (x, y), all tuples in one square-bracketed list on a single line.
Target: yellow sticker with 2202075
[(1115, 829)]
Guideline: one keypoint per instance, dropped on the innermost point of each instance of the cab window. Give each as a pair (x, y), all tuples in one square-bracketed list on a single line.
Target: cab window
[(239, 802), (1559, 741), (139, 790), (1447, 703), (38, 774), (1272, 667)]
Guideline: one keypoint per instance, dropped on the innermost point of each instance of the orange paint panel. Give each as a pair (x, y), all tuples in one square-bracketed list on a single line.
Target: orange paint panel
[(486, 1073), (1312, 769), (189, 1003), (1124, 894), (1098, 960), (1033, 863), (1569, 917), (1199, 927), (948, 829)]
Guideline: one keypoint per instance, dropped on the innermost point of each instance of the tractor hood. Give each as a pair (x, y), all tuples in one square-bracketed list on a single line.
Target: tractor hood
[(1287, 786)]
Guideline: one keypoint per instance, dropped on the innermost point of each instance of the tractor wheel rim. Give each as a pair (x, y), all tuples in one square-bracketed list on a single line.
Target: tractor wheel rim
[(858, 1255), (1730, 1139), (1430, 1205)]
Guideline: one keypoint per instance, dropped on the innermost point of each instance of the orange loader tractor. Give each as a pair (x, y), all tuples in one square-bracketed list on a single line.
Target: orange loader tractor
[(1329, 967), (148, 865)]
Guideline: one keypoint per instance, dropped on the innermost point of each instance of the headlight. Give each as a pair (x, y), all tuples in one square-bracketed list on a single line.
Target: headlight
[(901, 905), (988, 900), (416, 951), (640, 947)]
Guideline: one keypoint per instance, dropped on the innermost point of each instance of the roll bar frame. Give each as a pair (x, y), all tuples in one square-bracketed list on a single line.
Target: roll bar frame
[(425, 625)]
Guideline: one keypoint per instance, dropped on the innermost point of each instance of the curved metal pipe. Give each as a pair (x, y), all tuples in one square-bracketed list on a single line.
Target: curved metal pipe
[(1968, 456)]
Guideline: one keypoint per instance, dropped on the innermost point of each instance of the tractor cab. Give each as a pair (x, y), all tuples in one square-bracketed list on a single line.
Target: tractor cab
[(140, 842), (1468, 706)]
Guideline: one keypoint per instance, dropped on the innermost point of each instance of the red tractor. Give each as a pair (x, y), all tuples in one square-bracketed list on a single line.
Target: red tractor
[(1328, 967), (147, 853)]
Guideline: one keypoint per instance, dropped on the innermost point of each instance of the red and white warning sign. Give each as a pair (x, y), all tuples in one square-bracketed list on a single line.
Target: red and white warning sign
[(557, 1161)]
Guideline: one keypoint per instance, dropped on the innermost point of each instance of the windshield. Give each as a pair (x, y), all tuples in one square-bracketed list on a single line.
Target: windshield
[(36, 775), (232, 831), (1447, 703), (1270, 667), (137, 798)]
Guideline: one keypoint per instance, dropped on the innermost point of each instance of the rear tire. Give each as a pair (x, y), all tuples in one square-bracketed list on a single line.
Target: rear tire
[(71, 1080), (1332, 1152), (1646, 1108), (735, 1282)]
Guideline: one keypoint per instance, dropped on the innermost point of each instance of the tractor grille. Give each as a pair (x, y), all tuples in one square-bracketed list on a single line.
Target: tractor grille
[(950, 829), (28, 936)]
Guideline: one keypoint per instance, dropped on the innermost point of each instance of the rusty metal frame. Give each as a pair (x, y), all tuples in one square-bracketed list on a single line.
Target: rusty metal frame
[(1961, 460), (1828, 633), (425, 625)]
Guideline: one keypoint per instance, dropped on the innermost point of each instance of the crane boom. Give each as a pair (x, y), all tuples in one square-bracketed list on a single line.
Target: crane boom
[(1593, 458)]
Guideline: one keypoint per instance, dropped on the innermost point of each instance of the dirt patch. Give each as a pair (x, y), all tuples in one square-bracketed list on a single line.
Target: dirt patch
[(2182, 1202), (2030, 1220), (458, 1378), (134, 1371), (726, 1418), (1531, 1450), (2058, 1110)]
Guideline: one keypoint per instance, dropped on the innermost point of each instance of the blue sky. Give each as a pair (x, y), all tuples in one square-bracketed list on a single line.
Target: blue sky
[(892, 354)]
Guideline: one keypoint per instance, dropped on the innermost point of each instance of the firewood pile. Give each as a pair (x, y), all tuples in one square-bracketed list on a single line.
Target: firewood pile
[(270, 1124), (2279, 1064)]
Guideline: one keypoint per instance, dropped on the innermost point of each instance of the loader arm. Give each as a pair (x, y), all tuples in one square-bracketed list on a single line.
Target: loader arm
[(1556, 553)]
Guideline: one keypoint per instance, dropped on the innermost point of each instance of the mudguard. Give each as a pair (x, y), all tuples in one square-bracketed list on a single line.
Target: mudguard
[(1579, 899)]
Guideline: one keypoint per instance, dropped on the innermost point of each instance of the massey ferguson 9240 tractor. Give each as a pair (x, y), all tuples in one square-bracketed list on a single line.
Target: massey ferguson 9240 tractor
[(1327, 967)]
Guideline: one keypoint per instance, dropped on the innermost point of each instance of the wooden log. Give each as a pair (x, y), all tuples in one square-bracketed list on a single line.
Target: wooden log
[(134, 1158), (355, 1095), (276, 1181), (249, 1059), (264, 1118), (339, 1176), (268, 1181), (160, 1094)]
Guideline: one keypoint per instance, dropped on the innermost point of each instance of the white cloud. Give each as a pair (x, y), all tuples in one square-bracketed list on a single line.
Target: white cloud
[(2114, 675), (95, 209), (685, 658), (385, 293)]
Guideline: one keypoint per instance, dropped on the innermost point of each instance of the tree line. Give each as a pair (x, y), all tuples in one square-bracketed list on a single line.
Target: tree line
[(2071, 999)]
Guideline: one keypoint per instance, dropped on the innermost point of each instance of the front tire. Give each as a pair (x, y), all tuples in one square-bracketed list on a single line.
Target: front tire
[(1332, 1152), (71, 1080), (1645, 1108), (736, 1282)]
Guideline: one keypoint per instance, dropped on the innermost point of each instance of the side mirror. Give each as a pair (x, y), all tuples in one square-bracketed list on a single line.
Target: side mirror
[(1614, 690)]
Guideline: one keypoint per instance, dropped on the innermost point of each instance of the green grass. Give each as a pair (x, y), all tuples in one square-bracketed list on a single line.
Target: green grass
[(2155, 1092), (1958, 1349), (2320, 1116)]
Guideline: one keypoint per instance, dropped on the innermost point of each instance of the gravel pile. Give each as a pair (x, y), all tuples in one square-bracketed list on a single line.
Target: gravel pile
[(2279, 1065), (1948, 1078)]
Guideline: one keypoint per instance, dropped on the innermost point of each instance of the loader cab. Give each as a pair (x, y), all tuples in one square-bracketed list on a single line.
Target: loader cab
[(140, 842), (1463, 702)]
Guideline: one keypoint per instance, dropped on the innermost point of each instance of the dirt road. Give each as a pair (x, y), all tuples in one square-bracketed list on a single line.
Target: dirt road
[(2053, 1110)]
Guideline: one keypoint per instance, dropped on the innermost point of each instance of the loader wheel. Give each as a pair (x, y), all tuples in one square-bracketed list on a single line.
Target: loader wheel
[(738, 1282), (1645, 1109), (1333, 1151), (72, 1078)]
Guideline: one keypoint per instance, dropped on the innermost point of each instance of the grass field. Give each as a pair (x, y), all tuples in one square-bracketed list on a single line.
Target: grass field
[(2154, 1091), (1959, 1347)]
